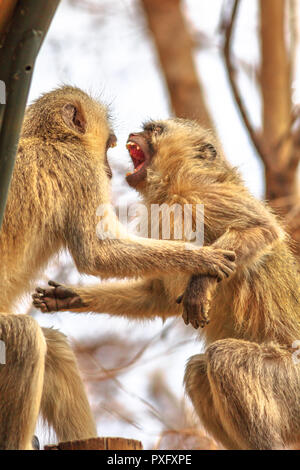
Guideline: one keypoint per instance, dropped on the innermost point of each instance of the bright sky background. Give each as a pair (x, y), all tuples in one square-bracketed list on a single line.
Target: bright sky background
[(110, 55)]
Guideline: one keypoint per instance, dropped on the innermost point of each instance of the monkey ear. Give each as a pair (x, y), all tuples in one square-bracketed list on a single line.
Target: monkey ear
[(74, 118), (206, 152)]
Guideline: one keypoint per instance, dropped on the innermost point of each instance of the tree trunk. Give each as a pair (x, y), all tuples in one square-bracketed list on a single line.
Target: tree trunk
[(6, 11), (174, 47), (18, 52), (281, 165)]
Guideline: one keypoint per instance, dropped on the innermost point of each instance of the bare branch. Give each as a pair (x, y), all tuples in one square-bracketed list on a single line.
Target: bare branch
[(227, 24), (175, 50)]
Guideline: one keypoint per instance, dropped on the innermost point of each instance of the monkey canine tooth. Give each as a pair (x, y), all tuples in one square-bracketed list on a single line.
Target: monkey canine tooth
[(130, 144)]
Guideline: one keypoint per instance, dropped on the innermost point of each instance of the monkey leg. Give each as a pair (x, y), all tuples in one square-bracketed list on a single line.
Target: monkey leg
[(64, 403), (255, 390), (21, 379), (248, 243), (198, 388), (197, 299)]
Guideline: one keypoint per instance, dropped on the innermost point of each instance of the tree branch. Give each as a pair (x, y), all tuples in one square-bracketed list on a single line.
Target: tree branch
[(6, 10), (175, 50), (17, 57), (228, 27), (275, 81)]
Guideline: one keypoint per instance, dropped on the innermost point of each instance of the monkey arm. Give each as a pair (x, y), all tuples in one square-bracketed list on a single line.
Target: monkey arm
[(122, 255), (144, 257), (249, 243), (241, 223), (135, 300)]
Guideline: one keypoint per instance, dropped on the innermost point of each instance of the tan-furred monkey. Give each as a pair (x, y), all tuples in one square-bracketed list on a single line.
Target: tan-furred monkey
[(60, 178), (246, 387)]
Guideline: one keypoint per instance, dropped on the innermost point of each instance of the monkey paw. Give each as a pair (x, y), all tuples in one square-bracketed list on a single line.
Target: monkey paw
[(221, 263), (196, 300), (56, 298)]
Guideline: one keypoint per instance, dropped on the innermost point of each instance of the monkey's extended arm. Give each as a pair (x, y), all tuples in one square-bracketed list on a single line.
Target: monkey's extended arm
[(121, 255), (148, 299), (251, 236), (134, 300)]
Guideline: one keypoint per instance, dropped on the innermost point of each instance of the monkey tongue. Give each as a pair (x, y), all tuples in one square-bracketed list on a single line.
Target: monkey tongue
[(137, 156), (137, 168), (138, 159)]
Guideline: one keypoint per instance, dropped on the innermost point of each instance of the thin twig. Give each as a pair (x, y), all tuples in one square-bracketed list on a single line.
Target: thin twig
[(228, 26)]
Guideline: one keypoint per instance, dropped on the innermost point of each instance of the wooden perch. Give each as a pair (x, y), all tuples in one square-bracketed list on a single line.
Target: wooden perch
[(99, 443)]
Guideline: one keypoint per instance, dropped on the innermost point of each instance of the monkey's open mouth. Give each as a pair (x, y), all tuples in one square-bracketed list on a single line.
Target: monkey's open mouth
[(138, 151), (137, 155)]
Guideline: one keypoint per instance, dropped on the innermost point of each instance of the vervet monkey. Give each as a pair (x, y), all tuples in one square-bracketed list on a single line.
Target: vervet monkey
[(245, 387), (61, 176)]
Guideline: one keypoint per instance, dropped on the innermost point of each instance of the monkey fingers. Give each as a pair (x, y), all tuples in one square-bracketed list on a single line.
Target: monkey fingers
[(56, 298), (197, 300), (221, 263)]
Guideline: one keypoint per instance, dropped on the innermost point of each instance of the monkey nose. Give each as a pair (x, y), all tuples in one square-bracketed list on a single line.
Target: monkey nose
[(134, 134)]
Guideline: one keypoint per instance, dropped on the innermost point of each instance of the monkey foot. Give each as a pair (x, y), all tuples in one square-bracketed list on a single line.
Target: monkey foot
[(197, 300)]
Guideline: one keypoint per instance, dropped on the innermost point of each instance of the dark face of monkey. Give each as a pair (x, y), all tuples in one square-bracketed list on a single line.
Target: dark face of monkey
[(174, 142), (142, 149)]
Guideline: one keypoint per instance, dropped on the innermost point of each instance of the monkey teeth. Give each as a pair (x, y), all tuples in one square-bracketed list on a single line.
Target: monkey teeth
[(130, 172), (130, 144), (137, 155)]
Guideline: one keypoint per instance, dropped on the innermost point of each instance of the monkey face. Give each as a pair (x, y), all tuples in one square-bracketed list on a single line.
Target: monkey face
[(68, 116), (142, 147), (168, 146), (111, 142)]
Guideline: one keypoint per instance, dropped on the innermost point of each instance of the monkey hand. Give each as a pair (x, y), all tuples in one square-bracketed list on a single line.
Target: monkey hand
[(56, 298), (217, 263), (196, 300)]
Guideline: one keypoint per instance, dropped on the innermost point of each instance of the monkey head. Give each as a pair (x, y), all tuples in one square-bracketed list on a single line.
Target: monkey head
[(70, 116), (165, 149)]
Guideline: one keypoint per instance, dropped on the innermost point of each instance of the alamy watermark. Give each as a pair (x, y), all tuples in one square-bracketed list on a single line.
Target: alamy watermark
[(296, 354), (158, 221), (2, 352), (2, 92)]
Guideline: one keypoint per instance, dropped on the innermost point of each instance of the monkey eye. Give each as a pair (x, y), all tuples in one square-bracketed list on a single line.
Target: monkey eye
[(158, 130), (155, 129), (207, 152)]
